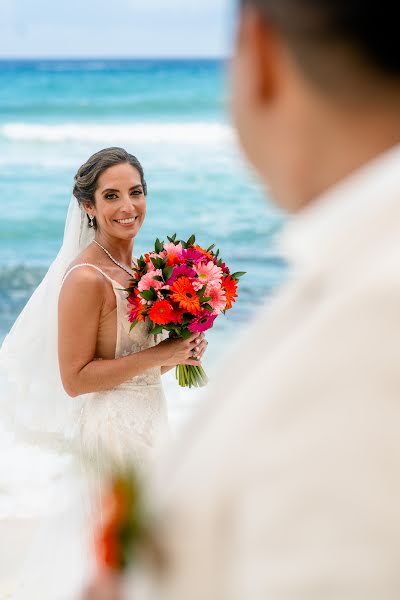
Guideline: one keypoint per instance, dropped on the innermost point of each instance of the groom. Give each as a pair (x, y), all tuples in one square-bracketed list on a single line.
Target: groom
[(287, 487)]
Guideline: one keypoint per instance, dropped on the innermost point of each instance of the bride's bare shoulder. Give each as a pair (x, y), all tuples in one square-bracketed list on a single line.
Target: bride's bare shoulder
[(81, 273)]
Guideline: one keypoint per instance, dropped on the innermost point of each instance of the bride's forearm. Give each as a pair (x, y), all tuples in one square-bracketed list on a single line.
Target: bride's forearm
[(166, 370), (101, 375)]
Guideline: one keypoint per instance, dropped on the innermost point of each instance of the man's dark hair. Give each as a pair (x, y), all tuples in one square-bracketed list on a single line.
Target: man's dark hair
[(364, 30)]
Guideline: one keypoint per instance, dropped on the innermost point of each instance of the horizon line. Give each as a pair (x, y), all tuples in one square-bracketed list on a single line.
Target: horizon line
[(121, 58)]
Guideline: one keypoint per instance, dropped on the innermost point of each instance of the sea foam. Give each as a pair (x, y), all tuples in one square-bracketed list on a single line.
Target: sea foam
[(192, 133)]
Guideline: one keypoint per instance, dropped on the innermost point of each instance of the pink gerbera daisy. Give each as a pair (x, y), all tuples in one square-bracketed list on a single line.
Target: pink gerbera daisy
[(203, 322), (180, 271), (208, 274), (173, 251), (148, 281), (191, 255), (218, 299)]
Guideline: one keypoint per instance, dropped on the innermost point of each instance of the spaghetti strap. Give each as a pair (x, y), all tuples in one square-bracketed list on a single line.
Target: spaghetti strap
[(93, 267)]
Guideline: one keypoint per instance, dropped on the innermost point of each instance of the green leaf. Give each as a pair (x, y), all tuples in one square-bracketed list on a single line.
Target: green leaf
[(133, 325), (206, 299), (185, 334), (211, 248), (154, 261), (150, 294), (208, 307), (186, 319), (191, 240), (167, 272), (158, 246), (238, 275), (158, 278), (156, 330), (202, 291), (172, 238), (159, 263)]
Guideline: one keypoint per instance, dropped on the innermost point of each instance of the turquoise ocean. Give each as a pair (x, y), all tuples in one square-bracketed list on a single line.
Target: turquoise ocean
[(171, 114)]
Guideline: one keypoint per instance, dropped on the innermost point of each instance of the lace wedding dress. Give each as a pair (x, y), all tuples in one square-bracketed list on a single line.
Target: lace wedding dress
[(129, 422), (45, 532)]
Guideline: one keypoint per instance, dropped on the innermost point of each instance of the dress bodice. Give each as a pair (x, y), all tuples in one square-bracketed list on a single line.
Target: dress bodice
[(128, 422), (129, 342)]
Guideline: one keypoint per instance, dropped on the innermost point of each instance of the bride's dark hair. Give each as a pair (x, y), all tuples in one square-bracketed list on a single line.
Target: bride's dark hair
[(88, 174)]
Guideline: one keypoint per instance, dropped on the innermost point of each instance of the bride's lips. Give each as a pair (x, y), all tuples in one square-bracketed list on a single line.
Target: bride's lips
[(126, 222)]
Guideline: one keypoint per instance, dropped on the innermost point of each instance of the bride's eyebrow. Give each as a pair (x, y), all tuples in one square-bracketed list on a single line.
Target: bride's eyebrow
[(108, 190), (134, 187)]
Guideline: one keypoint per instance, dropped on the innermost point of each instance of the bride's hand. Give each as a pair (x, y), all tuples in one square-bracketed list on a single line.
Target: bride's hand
[(183, 352)]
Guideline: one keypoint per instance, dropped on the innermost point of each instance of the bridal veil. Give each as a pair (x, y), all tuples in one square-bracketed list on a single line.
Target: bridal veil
[(32, 398)]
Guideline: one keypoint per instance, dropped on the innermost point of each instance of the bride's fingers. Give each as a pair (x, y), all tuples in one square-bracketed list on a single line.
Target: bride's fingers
[(192, 362), (198, 340), (202, 351), (201, 348)]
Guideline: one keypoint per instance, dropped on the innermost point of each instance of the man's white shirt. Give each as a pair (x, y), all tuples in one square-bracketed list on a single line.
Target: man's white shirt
[(287, 484)]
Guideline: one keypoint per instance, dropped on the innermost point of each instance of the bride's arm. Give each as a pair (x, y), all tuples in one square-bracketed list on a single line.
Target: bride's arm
[(80, 305)]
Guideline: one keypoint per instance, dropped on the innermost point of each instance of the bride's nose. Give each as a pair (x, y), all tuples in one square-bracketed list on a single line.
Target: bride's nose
[(128, 202)]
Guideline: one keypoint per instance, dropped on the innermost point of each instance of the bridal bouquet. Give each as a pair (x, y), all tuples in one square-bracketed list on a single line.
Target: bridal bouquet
[(181, 288)]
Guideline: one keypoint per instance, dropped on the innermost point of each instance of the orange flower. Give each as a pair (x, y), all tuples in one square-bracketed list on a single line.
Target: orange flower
[(184, 293), (161, 312), (115, 512), (230, 287), (136, 309), (173, 260), (200, 249), (107, 548)]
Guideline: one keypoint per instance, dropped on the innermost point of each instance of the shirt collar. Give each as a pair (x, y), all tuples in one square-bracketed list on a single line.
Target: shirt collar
[(316, 234)]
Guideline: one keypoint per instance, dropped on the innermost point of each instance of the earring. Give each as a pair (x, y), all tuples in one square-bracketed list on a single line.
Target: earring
[(91, 221)]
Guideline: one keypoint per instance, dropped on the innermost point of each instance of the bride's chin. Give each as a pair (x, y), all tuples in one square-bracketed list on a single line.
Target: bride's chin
[(129, 233)]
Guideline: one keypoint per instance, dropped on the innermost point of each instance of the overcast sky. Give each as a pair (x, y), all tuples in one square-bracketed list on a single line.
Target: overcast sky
[(99, 28)]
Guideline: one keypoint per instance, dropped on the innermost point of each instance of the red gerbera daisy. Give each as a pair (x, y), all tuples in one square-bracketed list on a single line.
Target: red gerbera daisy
[(230, 286), (185, 295), (136, 309), (161, 312)]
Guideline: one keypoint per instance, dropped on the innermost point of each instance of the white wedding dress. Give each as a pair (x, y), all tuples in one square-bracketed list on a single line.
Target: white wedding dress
[(56, 434), (128, 423)]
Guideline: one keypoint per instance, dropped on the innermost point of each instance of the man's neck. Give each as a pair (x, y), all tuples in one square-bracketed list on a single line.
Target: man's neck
[(339, 151), (323, 141)]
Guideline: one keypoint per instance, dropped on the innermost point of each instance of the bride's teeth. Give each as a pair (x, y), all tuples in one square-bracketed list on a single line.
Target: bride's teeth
[(126, 221)]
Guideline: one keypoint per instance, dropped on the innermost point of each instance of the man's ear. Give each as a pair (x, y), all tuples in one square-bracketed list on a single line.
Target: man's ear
[(260, 44)]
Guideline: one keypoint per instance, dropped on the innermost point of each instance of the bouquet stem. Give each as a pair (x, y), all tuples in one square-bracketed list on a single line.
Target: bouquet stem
[(191, 376)]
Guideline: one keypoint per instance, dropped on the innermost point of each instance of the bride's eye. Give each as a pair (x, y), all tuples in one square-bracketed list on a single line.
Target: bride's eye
[(110, 196), (137, 192)]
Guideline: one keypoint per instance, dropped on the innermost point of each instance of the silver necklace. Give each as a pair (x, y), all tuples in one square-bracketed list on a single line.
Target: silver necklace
[(114, 260)]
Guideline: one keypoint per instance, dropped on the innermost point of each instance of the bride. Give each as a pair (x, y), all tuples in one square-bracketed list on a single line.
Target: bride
[(118, 371), (73, 376)]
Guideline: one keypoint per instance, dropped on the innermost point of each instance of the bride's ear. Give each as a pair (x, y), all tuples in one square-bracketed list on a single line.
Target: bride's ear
[(88, 208)]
